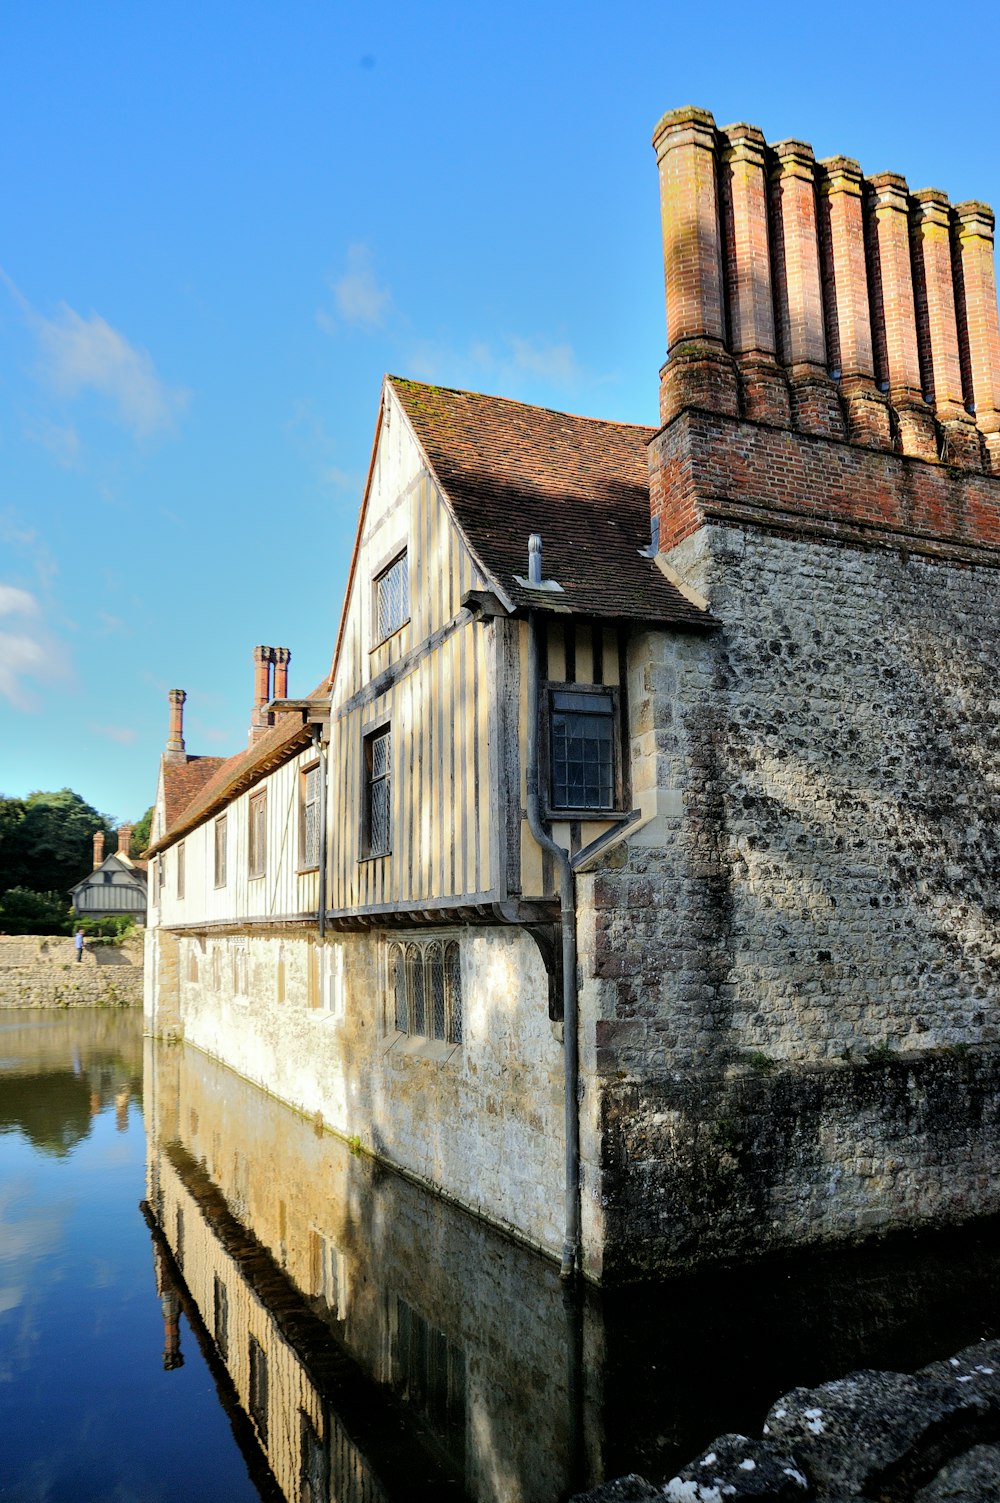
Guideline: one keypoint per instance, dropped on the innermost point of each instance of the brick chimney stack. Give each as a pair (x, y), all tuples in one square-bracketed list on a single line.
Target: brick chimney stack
[(260, 716), (98, 848), (124, 839), (282, 657), (175, 741)]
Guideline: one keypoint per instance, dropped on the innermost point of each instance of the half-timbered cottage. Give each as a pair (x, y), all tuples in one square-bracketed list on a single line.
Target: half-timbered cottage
[(632, 880), (117, 885)]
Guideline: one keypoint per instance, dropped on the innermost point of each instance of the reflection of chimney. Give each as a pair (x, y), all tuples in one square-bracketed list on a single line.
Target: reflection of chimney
[(175, 742), (98, 848), (124, 839)]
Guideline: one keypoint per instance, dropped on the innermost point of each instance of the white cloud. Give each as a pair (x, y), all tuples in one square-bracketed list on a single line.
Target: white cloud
[(27, 651), (124, 735), (357, 295), (86, 354), (61, 440), (16, 602), (554, 362)]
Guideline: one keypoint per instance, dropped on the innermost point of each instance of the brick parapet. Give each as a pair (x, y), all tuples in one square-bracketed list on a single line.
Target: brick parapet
[(708, 467)]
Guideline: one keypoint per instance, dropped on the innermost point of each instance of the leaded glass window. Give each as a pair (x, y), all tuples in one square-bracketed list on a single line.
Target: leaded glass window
[(257, 850), (309, 821), (583, 750), (392, 598), (425, 989), (377, 794)]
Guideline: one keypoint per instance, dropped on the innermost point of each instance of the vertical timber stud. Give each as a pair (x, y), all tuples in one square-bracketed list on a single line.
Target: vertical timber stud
[(849, 314), (748, 275), (890, 209), (932, 243), (975, 227), (699, 371), (799, 289)]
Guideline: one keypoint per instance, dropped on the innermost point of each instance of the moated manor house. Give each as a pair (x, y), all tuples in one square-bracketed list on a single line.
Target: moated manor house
[(633, 877)]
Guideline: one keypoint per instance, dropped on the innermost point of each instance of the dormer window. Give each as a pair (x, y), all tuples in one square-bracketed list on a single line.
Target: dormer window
[(391, 603)]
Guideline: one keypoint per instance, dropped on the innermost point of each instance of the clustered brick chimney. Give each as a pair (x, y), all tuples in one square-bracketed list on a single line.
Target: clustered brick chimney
[(833, 348), (175, 741), (98, 848), (803, 294), (264, 659)]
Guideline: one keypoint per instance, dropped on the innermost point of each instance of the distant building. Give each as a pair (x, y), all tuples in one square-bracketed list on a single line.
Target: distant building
[(116, 885), (634, 877)]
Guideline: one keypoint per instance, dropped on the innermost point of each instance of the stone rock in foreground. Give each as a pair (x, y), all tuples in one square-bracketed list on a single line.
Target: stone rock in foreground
[(736, 1467), (972, 1478), (630, 1489), (879, 1434)]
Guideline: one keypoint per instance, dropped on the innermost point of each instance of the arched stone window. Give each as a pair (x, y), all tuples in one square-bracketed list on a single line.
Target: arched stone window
[(425, 985)]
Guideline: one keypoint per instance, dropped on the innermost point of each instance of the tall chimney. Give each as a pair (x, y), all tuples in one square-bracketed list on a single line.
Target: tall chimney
[(260, 718), (175, 742), (98, 848), (281, 658), (124, 839)]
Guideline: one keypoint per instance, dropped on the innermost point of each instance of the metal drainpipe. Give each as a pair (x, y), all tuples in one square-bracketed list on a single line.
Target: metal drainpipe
[(567, 906), (317, 731)]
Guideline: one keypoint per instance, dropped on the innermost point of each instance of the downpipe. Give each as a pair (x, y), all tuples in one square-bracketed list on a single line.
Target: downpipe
[(567, 912)]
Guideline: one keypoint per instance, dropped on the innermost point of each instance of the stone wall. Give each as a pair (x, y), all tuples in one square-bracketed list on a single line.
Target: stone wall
[(790, 963), (42, 971)]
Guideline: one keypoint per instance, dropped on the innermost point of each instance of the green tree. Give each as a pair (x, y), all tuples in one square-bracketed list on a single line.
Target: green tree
[(140, 833), (50, 847)]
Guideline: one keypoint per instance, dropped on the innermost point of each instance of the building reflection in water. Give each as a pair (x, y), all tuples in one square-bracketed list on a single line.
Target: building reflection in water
[(384, 1345), (380, 1346)]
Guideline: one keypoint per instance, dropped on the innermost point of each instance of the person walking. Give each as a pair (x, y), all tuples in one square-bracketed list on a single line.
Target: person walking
[(78, 944)]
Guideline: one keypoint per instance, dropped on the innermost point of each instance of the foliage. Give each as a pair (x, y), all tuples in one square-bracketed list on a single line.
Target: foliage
[(140, 833), (114, 928), (46, 840), (25, 912)]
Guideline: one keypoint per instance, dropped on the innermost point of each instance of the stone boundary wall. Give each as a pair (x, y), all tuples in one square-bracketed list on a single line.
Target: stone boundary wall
[(42, 971)]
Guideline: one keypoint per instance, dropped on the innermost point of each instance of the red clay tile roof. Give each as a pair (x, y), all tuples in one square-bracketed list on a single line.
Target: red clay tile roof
[(509, 470), (182, 781), (230, 776)]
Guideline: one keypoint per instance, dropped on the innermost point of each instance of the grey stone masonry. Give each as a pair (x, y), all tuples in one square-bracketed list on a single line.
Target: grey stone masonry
[(817, 899), (43, 971)]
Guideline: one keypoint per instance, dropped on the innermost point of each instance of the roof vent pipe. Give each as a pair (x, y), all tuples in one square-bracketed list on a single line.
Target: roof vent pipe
[(535, 560)]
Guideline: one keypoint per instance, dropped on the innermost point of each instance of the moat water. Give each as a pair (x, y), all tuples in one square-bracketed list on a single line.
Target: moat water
[(204, 1296)]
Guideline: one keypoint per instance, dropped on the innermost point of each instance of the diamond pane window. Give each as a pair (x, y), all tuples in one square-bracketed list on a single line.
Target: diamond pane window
[(377, 805), (397, 980), (453, 992), (583, 750), (392, 598), (415, 987), (309, 827), (435, 976)]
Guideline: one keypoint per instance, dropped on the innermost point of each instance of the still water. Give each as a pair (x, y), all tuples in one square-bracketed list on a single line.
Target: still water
[(203, 1297)]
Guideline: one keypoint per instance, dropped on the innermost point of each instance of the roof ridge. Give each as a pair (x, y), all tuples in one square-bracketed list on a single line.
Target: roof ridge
[(486, 396)]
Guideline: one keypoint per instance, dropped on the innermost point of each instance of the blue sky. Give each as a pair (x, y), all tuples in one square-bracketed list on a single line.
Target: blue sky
[(223, 223)]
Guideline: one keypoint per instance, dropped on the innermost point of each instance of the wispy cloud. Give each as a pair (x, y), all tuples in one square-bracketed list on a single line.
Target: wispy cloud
[(123, 734), (504, 366), (80, 354), (27, 650), (61, 440), (358, 296)]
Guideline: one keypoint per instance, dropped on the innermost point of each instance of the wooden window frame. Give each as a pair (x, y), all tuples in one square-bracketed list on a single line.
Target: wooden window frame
[(399, 559), (369, 852), (580, 812), (220, 836), (305, 864), (257, 837)]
